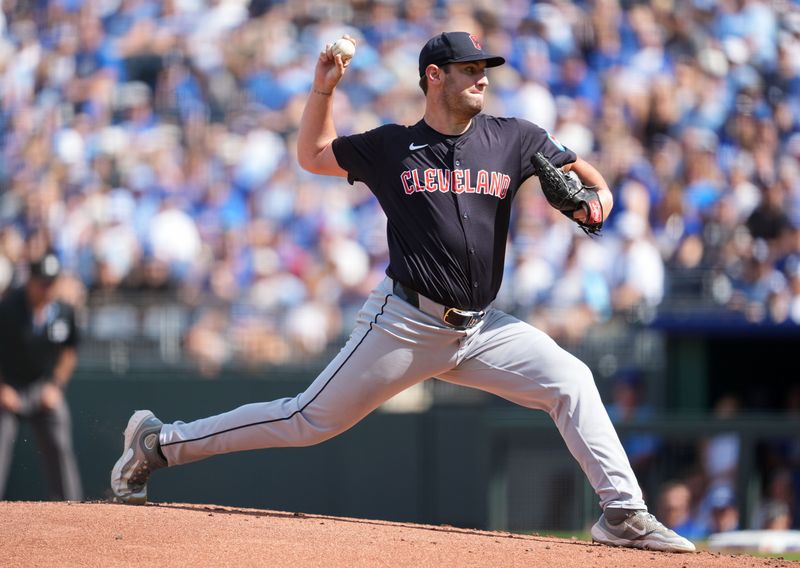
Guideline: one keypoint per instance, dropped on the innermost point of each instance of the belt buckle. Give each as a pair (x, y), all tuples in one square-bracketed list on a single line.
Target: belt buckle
[(473, 318)]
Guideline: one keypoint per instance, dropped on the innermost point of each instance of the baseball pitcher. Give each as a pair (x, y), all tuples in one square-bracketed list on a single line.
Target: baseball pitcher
[(447, 185)]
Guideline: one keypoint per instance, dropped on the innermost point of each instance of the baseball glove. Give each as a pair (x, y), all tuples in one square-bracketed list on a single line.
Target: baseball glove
[(567, 194)]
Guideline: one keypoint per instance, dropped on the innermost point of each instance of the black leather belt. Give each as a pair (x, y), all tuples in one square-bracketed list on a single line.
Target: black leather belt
[(454, 317)]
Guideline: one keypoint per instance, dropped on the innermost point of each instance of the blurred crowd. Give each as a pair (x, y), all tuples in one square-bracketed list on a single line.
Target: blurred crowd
[(694, 483), (707, 500), (151, 144)]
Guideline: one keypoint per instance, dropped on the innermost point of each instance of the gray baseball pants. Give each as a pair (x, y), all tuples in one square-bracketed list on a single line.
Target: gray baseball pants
[(394, 346), (53, 432)]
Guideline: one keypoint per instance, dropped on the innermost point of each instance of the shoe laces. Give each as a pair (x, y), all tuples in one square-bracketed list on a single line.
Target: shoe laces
[(646, 521)]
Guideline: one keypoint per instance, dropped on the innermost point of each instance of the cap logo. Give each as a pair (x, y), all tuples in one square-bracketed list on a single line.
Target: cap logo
[(455, 47)]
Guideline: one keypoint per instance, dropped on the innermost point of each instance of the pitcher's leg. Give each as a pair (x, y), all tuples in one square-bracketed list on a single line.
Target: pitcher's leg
[(522, 364), (379, 361)]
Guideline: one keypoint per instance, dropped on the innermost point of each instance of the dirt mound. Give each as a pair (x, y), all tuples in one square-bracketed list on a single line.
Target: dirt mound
[(170, 534)]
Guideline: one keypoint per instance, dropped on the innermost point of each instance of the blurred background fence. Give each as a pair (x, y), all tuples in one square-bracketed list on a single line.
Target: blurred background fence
[(535, 485)]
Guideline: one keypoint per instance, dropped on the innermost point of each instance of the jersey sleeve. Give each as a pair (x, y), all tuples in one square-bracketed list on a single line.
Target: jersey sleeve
[(534, 139), (360, 155), (67, 312)]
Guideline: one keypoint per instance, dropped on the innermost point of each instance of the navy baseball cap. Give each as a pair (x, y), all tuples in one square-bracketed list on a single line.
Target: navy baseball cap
[(454, 47)]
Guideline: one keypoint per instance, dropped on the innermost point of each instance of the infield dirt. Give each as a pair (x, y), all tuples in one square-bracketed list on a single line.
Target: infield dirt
[(174, 534)]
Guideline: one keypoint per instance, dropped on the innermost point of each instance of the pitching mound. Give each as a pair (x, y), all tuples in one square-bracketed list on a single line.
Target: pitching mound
[(171, 534)]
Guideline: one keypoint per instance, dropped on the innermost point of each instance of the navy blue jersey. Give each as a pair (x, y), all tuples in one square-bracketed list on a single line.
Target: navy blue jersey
[(448, 199), (29, 351)]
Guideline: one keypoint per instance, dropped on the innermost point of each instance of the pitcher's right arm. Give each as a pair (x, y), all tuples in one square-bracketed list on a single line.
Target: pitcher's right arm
[(317, 130)]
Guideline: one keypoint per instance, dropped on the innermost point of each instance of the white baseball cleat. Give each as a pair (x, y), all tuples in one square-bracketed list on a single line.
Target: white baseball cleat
[(638, 529), (140, 457)]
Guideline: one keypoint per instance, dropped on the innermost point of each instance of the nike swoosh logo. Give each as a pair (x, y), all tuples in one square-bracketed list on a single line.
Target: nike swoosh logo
[(150, 441), (638, 531), (413, 146)]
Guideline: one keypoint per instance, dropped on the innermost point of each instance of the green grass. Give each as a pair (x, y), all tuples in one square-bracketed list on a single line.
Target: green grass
[(794, 556)]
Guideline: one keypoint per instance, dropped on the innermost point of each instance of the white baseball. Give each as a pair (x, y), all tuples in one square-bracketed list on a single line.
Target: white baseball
[(344, 47)]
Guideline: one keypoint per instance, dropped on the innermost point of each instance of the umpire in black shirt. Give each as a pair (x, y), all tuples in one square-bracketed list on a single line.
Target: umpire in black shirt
[(38, 339)]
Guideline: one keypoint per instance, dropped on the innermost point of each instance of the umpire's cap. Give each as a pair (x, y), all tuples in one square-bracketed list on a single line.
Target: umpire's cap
[(454, 47), (47, 268)]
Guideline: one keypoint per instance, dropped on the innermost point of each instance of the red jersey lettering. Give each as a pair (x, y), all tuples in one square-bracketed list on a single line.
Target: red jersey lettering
[(497, 184), (506, 184), (408, 185), (482, 184), (430, 179), (467, 180), (458, 181), (445, 178), (415, 176)]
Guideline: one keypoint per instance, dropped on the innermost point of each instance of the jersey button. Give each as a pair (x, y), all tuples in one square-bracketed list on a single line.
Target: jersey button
[(472, 251), (458, 162), (474, 284), (465, 216)]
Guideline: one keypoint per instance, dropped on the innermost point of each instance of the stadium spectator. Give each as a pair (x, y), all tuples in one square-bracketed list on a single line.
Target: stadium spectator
[(638, 268), (776, 511), (675, 506), (723, 510)]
